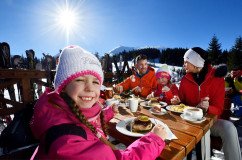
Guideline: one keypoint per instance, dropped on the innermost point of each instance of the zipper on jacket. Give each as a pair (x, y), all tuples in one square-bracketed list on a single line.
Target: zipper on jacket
[(199, 87)]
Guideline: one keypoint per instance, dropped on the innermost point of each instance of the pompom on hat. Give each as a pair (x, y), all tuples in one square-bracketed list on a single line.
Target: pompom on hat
[(163, 71), (74, 62)]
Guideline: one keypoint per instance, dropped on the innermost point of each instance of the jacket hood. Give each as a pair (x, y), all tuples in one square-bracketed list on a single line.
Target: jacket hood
[(220, 70), (45, 107)]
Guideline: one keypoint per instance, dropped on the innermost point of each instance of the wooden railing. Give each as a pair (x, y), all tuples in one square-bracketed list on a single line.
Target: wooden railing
[(24, 79)]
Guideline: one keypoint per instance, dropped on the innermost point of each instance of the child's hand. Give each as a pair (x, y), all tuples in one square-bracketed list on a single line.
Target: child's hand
[(160, 131), (150, 95), (165, 89), (175, 100)]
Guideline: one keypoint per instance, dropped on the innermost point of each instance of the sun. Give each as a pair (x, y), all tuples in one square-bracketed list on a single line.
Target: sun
[(67, 19)]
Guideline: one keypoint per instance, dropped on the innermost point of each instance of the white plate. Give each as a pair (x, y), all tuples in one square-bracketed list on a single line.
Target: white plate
[(121, 127), (162, 112), (169, 108), (145, 104), (163, 104), (192, 121)]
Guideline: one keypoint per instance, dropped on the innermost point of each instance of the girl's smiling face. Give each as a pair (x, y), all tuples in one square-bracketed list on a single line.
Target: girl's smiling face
[(162, 80), (84, 90)]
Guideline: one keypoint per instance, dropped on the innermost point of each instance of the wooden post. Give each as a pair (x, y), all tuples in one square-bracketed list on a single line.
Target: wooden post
[(27, 91)]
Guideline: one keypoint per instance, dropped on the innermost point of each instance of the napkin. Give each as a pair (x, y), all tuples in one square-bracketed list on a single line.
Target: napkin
[(170, 135)]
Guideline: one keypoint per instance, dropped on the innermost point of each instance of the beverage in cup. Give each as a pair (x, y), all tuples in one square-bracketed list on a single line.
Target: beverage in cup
[(133, 104), (194, 114), (109, 92)]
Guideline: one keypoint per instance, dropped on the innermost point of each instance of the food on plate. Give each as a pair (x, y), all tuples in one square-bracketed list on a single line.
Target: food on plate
[(179, 108), (154, 102), (156, 109), (118, 97), (141, 124)]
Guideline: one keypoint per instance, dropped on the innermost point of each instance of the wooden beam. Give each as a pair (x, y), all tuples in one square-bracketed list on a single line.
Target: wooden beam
[(20, 73)]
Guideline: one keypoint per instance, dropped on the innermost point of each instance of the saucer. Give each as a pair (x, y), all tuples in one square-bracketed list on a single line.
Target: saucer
[(191, 120)]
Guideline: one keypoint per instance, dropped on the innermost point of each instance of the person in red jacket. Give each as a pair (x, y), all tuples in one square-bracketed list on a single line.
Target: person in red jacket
[(142, 81), (165, 90), (203, 86), (70, 123)]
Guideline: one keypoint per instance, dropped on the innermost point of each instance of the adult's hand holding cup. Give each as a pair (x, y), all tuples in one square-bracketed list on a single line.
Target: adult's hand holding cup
[(204, 104)]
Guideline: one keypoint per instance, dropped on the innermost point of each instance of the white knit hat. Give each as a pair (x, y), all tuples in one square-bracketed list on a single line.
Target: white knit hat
[(163, 68), (163, 71), (74, 61), (194, 58)]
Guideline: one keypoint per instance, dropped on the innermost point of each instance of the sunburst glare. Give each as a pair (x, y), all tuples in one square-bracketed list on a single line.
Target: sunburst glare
[(67, 20)]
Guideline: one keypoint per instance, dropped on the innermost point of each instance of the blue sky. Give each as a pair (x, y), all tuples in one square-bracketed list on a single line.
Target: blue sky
[(102, 25)]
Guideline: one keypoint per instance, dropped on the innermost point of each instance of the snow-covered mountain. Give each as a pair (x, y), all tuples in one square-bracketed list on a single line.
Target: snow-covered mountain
[(120, 49)]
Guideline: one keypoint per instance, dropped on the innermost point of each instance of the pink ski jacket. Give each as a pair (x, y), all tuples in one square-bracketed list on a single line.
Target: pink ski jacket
[(63, 136)]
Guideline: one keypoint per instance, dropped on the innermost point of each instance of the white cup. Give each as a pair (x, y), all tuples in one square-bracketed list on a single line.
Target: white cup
[(133, 104), (193, 113), (111, 101)]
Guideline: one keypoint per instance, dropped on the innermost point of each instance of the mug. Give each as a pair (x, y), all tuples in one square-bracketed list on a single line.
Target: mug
[(193, 113), (108, 92), (133, 104)]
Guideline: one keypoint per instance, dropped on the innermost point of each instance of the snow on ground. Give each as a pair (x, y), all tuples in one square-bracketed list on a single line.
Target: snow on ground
[(173, 70), (156, 66)]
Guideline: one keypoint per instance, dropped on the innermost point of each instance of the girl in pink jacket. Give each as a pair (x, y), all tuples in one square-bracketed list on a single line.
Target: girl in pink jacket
[(71, 124)]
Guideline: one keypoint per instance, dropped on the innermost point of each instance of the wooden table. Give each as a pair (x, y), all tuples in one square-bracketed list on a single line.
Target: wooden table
[(188, 134)]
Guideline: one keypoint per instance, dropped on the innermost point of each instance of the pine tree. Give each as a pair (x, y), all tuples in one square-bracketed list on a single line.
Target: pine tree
[(214, 50), (97, 55), (235, 58)]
